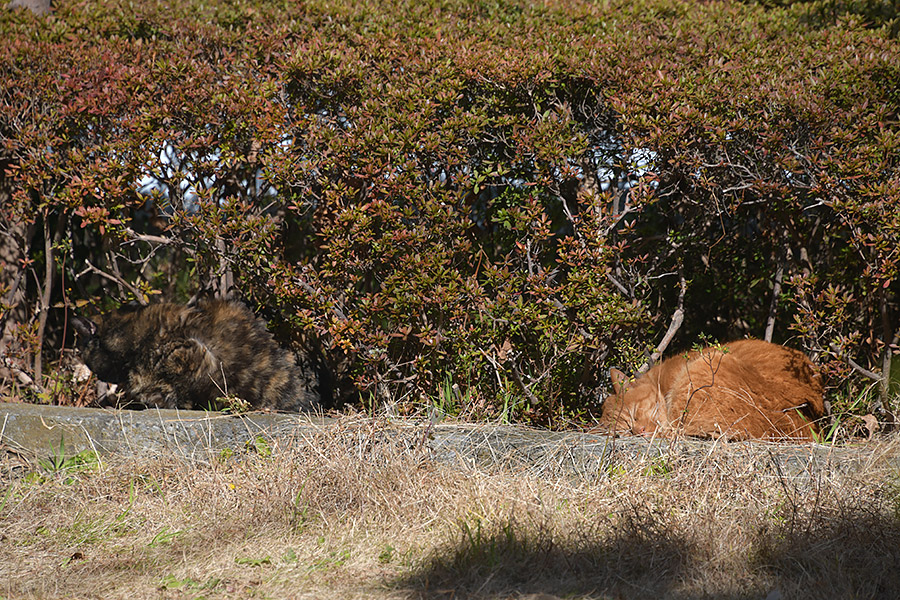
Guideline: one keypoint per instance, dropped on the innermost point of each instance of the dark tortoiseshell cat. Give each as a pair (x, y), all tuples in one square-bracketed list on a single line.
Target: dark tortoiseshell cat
[(175, 356)]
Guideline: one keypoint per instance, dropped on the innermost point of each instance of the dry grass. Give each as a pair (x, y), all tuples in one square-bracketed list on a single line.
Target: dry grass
[(359, 511)]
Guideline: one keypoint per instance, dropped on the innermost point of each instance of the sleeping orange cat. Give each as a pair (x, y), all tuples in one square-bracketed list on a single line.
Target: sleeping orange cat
[(747, 389)]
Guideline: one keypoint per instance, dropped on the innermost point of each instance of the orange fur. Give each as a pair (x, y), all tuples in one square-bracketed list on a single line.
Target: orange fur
[(753, 390)]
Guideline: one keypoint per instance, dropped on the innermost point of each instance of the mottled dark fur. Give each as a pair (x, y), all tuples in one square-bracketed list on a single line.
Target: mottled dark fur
[(175, 356)]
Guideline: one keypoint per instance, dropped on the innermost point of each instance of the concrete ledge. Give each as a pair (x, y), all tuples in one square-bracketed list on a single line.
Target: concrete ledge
[(37, 431)]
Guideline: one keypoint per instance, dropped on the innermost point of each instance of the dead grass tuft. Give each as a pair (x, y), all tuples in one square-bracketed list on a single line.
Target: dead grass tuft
[(359, 510)]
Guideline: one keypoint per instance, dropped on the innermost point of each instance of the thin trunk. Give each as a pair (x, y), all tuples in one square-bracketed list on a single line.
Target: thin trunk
[(47, 291), (226, 276), (15, 244), (773, 304), (889, 338)]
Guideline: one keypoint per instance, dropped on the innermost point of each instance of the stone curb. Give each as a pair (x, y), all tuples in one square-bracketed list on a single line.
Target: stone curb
[(37, 431)]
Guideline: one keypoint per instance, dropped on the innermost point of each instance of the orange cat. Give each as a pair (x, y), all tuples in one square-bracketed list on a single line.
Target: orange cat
[(752, 390)]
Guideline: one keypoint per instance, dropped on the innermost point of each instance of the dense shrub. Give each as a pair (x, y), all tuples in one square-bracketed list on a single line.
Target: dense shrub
[(476, 205)]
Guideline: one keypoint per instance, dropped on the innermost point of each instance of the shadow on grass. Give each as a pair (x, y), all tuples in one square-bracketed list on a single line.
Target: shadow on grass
[(847, 555), (850, 556), (514, 560)]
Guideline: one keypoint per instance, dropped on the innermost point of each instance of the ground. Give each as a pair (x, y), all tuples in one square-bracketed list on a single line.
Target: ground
[(362, 508)]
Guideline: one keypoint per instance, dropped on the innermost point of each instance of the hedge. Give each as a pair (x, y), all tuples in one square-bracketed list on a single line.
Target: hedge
[(478, 206)]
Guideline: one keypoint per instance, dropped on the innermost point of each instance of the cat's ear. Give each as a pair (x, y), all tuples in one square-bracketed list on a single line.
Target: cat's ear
[(86, 328), (618, 380)]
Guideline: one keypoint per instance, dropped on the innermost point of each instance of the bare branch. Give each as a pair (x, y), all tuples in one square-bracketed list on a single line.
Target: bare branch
[(737, 188), (23, 377), (315, 294), (517, 377), (508, 365), (674, 326), (618, 285), (150, 239), (862, 370), (138, 295)]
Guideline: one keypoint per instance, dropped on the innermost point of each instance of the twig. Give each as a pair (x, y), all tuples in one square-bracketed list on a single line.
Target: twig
[(138, 295), (315, 294), (863, 370), (497, 368), (618, 285), (674, 326), (150, 239), (617, 217), (23, 377), (570, 217), (562, 311), (517, 377)]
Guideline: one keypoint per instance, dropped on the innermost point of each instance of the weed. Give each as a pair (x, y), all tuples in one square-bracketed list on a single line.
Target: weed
[(510, 403), (658, 467), (170, 582), (450, 401), (332, 560), (164, 536), (6, 496), (614, 470), (260, 446), (844, 413), (254, 562), (57, 464), (232, 404), (299, 511), (386, 555)]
